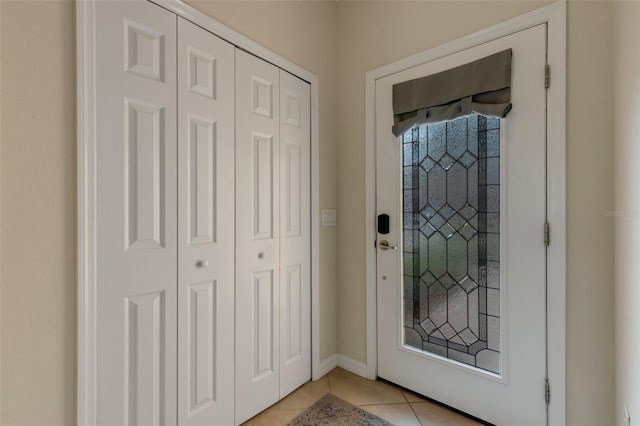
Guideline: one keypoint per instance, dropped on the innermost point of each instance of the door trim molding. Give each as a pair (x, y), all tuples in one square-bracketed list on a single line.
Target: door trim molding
[(86, 180), (554, 15), (86, 134)]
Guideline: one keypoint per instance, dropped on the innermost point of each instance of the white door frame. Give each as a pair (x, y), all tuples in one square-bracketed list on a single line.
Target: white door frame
[(86, 163), (554, 15)]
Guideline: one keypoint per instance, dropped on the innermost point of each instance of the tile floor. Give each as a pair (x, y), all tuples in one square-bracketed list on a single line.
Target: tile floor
[(384, 400)]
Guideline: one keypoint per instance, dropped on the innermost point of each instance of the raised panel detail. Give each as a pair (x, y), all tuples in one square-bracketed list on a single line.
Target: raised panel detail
[(262, 186), (144, 175), (201, 73), (263, 317), (262, 91), (293, 198), (293, 276), (292, 109), (144, 390), (143, 51), (202, 345), (202, 180)]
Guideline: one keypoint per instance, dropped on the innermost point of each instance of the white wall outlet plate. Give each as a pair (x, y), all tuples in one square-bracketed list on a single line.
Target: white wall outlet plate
[(329, 217)]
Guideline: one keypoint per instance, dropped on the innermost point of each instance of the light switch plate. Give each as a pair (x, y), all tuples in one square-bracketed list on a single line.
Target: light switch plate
[(329, 217)]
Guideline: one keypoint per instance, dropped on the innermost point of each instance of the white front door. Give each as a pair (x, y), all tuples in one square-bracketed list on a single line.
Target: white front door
[(461, 301)]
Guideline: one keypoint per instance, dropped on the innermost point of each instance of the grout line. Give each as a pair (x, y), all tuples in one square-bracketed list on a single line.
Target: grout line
[(383, 403), (416, 414)]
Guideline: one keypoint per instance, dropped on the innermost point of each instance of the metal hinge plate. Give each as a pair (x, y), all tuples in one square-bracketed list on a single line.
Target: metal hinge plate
[(547, 391), (547, 234), (547, 76)]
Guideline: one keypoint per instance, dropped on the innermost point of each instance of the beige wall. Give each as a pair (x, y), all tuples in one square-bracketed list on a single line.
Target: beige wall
[(374, 33), (627, 200), (38, 213), (590, 334)]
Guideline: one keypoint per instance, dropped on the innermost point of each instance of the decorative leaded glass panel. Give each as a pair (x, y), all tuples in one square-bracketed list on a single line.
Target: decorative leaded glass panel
[(451, 241)]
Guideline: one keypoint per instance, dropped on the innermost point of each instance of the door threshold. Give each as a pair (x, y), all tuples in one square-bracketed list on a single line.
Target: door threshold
[(448, 407)]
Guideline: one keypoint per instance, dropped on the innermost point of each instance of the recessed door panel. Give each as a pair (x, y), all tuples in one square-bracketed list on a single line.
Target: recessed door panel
[(136, 214), (292, 185), (293, 319), (262, 95), (144, 359), (202, 180), (202, 345), (144, 174), (262, 188), (202, 72), (205, 227), (144, 50), (263, 317)]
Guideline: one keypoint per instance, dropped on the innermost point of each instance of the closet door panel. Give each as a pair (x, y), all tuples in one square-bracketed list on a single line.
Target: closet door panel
[(257, 235), (205, 227), (295, 226), (136, 214)]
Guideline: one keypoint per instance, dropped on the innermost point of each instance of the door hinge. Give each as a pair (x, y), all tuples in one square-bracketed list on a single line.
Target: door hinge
[(547, 391), (547, 234), (547, 76)]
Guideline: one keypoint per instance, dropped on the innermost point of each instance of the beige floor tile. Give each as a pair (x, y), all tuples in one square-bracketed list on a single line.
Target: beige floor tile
[(431, 414), (413, 397), (275, 417), (360, 391), (305, 396), (379, 398), (398, 414)]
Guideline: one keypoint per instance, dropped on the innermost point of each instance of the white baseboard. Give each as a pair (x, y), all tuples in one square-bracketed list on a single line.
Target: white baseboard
[(342, 361), (350, 364), (327, 365)]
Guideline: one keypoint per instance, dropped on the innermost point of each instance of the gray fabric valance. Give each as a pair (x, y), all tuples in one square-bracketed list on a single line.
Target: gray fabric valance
[(480, 87)]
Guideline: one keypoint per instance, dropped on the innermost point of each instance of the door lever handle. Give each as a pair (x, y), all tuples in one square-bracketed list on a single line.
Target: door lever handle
[(384, 245)]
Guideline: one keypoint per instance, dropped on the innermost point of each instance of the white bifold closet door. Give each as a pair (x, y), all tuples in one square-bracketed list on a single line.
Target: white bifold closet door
[(273, 348), (136, 222), (205, 227), (165, 220), (199, 305)]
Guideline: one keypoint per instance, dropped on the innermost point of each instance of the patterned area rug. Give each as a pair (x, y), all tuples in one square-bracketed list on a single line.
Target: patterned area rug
[(330, 410)]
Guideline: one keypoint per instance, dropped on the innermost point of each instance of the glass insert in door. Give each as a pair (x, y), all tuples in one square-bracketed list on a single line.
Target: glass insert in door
[(451, 240)]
